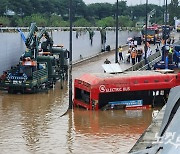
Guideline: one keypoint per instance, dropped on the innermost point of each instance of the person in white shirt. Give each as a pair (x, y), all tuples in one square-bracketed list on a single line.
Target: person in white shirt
[(135, 43), (149, 52)]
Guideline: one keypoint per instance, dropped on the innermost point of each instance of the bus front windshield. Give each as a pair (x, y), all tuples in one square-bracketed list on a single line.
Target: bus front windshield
[(82, 95)]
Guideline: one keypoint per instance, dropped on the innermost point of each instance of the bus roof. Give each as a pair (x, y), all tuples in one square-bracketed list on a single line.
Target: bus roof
[(125, 77)]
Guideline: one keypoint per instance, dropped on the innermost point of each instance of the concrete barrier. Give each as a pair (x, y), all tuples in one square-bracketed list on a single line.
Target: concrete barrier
[(151, 61)]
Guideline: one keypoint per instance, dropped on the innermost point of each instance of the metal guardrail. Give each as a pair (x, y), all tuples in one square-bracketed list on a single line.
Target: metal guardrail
[(151, 61), (150, 64), (25, 29)]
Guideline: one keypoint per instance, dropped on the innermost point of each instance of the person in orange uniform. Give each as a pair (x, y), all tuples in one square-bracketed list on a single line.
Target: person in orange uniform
[(133, 56), (139, 54)]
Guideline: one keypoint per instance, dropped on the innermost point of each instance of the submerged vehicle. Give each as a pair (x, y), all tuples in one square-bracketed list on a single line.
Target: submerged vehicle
[(129, 90), (38, 68)]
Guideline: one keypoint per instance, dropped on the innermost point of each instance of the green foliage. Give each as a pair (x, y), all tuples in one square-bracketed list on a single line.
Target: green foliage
[(174, 10), (125, 21), (39, 19), (122, 7), (100, 10), (56, 13), (106, 22), (82, 23), (57, 21), (4, 21), (26, 20), (20, 22)]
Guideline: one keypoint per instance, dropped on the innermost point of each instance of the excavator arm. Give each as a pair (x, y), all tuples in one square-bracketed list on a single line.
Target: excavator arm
[(31, 35)]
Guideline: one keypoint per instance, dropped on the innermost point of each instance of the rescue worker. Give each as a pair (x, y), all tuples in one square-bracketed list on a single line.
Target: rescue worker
[(133, 56), (157, 48), (139, 54), (132, 43), (120, 53), (169, 41), (135, 43), (129, 55), (163, 42), (148, 45), (154, 39), (173, 40), (149, 52), (170, 55), (107, 61), (176, 57)]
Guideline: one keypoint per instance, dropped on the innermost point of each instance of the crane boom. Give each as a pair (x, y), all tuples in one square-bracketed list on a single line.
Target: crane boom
[(150, 14)]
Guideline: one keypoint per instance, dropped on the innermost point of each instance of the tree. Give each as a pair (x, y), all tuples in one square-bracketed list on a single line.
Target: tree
[(174, 11), (106, 22), (56, 12), (40, 20), (3, 6), (20, 22), (100, 10), (82, 22), (47, 7), (4, 21), (125, 21), (80, 8), (122, 7), (20, 7), (139, 12), (57, 21)]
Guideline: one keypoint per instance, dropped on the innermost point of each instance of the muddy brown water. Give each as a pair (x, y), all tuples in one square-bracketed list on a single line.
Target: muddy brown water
[(32, 123)]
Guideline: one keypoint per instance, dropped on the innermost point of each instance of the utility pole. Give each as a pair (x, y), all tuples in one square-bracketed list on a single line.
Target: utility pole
[(70, 56), (116, 54), (165, 31), (146, 34)]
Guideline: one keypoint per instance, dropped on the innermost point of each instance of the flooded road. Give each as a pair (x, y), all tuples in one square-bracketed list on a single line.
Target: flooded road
[(32, 123)]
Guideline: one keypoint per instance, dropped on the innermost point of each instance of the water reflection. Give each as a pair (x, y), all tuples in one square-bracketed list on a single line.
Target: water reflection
[(111, 122), (33, 124), (26, 118), (109, 131)]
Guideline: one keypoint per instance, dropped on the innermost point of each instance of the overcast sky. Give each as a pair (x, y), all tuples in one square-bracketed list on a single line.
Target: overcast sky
[(129, 2)]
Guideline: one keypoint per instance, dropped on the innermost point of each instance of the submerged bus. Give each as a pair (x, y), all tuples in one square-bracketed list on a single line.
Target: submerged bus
[(130, 90)]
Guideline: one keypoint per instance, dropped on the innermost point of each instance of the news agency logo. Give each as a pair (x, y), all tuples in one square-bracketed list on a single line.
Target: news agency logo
[(168, 138)]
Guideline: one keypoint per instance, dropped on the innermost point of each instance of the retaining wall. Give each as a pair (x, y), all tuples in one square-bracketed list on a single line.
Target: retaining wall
[(12, 45)]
